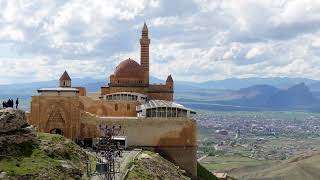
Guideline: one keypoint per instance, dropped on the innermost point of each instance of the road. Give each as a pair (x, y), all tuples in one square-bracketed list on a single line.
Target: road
[(202, 157)]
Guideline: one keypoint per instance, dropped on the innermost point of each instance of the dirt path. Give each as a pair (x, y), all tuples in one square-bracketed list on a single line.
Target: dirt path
[(203, 157)]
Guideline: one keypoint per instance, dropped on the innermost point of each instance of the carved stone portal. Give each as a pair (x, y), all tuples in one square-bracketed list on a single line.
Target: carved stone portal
[(55, 122)]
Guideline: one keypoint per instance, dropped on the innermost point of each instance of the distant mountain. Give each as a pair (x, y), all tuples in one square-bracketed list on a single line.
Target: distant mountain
[(314, 86), (256, 98), (296, 96), (236, 83)]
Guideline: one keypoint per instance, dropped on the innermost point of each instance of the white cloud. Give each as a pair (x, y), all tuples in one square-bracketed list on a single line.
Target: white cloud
[(254, 52), (193, 40)]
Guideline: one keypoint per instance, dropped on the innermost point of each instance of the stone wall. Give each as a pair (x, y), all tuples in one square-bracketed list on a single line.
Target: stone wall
[(174, 138), (105, 90), (82, 91), (128, 89), (109, 108), (168, 96)]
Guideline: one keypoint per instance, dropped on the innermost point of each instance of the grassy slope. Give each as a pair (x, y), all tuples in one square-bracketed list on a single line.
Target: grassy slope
[(228, 162), (149, 165), (55, 157), (302, 167)]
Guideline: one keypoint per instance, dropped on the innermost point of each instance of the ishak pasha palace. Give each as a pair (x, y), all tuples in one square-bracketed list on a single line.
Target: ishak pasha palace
[(148, 117)]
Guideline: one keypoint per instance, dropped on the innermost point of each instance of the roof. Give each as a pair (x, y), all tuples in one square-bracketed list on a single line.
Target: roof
[(129, 93), (169, 78), (59, 89), (162, 103), (65, 77), (129, 69), (119, 137)]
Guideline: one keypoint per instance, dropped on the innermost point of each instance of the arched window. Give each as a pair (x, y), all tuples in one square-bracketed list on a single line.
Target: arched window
[(116, 107)]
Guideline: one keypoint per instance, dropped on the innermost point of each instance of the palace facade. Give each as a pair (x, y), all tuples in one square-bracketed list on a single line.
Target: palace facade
[(146, 112)]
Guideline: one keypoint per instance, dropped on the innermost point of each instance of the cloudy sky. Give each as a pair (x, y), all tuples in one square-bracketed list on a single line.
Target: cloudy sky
[(194, 40)]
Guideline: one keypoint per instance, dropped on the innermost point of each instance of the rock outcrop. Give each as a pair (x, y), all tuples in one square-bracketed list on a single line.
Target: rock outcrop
[(14, 129)]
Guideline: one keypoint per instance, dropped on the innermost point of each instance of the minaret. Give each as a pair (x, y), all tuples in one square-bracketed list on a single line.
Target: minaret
[(144, 53)]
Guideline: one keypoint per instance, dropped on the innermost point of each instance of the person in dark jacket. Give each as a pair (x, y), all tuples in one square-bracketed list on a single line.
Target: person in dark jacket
[(12, 103), (9, 103), (17, 103)]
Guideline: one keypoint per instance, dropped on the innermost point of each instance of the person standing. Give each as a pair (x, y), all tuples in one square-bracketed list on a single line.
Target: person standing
[(12, 103), (9, 103), (17, 103)]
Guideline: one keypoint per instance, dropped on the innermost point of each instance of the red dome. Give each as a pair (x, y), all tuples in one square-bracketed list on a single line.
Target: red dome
[(129, 69)]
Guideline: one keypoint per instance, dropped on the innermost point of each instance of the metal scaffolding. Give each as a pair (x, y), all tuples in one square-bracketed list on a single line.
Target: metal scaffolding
[(106, 150)]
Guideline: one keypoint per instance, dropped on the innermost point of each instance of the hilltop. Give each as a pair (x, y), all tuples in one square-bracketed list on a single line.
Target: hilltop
[(26, 154)]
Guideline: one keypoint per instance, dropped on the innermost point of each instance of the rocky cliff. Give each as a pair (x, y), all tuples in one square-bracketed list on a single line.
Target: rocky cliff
[(28, 155)]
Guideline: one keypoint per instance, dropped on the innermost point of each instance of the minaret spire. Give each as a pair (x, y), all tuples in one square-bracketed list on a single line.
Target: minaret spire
[(145, 27), (144, 52)]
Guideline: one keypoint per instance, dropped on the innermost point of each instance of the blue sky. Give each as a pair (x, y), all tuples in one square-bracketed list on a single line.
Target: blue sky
[(195, 40)]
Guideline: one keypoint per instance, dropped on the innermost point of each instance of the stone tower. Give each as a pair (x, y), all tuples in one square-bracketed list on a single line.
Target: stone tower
[(169, 83), (144, 52), (65, 80)]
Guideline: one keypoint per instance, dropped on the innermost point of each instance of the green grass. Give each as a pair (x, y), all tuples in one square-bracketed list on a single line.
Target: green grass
[(54, 138), (150, 165), (27, 164), (30, 160), (139, 172), (221, 163)]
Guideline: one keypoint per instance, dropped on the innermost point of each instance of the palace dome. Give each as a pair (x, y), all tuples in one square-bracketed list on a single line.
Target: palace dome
[(129, 69)]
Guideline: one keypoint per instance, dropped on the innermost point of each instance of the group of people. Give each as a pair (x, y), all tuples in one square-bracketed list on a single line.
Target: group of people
[(10, 103)]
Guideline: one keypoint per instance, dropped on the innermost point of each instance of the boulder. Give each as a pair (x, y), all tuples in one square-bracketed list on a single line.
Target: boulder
[(12, 120), (14, 128), (3, 175)]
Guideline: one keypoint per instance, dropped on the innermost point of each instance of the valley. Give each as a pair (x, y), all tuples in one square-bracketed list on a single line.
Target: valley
[(238, 142)]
